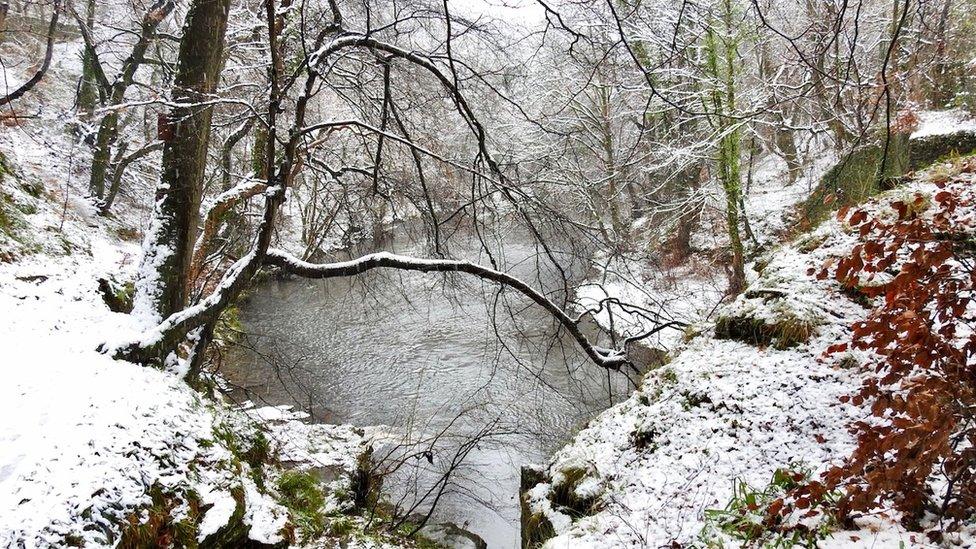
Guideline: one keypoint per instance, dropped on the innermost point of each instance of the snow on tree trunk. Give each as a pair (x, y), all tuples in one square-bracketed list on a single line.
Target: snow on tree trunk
[(161, 286)]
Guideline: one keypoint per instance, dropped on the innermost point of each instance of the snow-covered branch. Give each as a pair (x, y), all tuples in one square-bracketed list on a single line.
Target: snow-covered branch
[(607, 358)]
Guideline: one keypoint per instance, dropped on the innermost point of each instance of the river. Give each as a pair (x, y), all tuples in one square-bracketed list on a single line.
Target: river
[(427, 354)]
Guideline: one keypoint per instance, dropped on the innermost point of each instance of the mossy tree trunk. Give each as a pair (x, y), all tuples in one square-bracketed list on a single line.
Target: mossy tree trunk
[(720, 57), (88, 87), (112, 93), (162, 285)]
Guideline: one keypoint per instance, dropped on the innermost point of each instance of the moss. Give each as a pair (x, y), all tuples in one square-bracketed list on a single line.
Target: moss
[(6, 168), (229, 328), (12, 220), (302, 494), (32, 187), (341, 527), (783, 333), (406, 530), (117, 296), (928, 150), (565, 497), (855, 178), (668, 375)]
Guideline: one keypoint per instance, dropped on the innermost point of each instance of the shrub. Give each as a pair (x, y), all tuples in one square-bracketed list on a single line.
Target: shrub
[(923, 393)]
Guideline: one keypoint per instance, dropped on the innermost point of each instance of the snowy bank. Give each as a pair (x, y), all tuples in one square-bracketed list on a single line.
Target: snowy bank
[(97, 452), (748, 396)]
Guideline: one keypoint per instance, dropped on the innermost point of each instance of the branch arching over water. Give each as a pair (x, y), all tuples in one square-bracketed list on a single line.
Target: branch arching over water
[(607, 358)]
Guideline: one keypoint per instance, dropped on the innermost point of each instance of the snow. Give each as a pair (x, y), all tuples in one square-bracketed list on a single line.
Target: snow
[(943, 123), (691, 292), (218, 515), (85, 437), (724, 411)]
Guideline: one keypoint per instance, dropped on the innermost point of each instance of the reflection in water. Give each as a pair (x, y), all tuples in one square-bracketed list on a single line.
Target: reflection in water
[(431, 355)]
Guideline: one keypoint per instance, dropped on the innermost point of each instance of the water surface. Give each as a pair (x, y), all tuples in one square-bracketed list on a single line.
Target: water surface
[(435, 357)]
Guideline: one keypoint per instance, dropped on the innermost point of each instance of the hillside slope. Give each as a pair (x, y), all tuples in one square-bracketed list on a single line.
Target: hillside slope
[(746, 396)]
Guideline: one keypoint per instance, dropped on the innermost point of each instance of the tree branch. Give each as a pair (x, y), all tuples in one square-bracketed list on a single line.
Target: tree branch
[(607, 358), (49, 52)]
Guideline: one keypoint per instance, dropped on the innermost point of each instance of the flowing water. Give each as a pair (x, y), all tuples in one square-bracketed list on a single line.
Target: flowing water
[(433, 353)]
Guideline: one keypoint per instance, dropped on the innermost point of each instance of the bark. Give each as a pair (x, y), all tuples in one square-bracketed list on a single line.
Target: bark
[(114, 92), (214, 218), (679, 245), (108, 131), (88, 87), (721, 63), (161, 286), (119, 172)]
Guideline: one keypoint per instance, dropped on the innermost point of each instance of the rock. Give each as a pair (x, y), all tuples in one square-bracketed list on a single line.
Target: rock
[(924, 151), (451, 535)]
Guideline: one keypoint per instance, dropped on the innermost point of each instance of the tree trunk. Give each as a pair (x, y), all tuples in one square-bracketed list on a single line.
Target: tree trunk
[(108, 130), (161, 287), (88, 87), (729, 169)]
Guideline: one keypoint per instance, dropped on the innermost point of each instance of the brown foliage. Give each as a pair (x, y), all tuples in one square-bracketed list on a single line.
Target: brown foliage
[(923, 394)]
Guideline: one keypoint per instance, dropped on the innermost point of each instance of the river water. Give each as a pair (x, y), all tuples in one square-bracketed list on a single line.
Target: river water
[(436, 358)]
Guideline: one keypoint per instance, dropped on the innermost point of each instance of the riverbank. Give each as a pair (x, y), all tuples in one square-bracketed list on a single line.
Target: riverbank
[(98, 452), (749, 399)]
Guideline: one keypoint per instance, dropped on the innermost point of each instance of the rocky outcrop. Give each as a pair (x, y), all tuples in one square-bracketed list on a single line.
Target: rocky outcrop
[(855, 178), (926, 150)]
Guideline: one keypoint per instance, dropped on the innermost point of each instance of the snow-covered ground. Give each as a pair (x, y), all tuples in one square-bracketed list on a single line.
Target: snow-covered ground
[(943, 122), (724, 411), (86, 442), (85, 438)]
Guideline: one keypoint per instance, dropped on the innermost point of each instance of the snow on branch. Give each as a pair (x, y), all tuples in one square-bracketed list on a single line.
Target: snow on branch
[(607, 358)]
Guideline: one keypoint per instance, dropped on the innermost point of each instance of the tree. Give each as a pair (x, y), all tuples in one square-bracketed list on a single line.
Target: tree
[(111, 93), (721, 58), (162, 284), (161, 287)]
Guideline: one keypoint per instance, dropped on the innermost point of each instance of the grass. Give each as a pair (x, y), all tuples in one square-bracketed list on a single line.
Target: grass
[(159, 528), (787, 331), (751, 520), (564, 493), (302, 494)]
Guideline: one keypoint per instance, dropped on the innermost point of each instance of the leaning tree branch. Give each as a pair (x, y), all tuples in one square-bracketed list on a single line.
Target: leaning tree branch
[(48, 54), (607, 358)]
